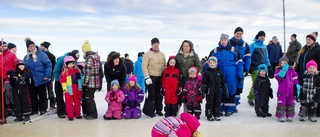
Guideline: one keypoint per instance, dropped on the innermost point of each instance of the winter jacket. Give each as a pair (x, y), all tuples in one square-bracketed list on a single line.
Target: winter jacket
[(293, 51), (112, 72), (184, 63), (58, 66), (309, 54), (91, 70), (193, 91), (274, 52), (52, 58), (71, 80), (8, 59), (170, 79), (244, 51), (310, 88), (137, 69), (259, 54), (129, 65), (130, 95), (262, 87), (287, 83), (213, 81), (153, 63), (114, 101), (20, 81), (40, 69)]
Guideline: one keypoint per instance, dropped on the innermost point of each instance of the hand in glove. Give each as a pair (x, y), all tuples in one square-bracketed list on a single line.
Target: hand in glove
[(128, 103), (298, 90), (148, 80), (283, 71), (162, 91), (271, 93), (136, 103)]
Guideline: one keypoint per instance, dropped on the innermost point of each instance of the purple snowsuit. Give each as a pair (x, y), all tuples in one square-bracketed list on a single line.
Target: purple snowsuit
[(132, 99), (285, 94)]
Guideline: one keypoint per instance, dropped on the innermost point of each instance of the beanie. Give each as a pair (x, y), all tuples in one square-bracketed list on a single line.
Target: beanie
[(86, 46), (313, 36), (260, 33), (311, 63), (224, 36), (154, 40), (284, 58), (262, 67), (28, 41), (193, 69), (213, 58), (238, 29), (132, 78), (140, 54), (294, 35), (191, 121), (45, 44), (11, 45), (115, 82), (274, 38), (75, 54), (126, 55)]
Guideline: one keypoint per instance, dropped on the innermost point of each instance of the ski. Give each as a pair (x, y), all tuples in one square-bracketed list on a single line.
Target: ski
[(48, 113)]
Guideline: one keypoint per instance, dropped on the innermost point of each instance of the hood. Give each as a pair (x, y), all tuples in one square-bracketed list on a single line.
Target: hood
[(191, 47)]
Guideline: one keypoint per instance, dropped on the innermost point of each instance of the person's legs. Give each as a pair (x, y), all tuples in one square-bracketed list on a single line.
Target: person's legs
[(250, 96), (59, 98), (91, 104), (43, 101)]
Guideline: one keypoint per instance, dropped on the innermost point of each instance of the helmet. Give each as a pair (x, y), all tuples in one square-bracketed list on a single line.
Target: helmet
[(68, 59)]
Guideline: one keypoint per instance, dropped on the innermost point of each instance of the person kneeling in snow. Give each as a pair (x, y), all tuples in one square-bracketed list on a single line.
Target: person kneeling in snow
[(185, 126), (114, 98)]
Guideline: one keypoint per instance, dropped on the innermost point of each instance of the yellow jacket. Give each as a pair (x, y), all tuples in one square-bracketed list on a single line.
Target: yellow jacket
[(153, 63)]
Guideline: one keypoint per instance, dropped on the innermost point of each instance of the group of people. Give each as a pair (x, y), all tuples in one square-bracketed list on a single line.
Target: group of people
[(182, 80)]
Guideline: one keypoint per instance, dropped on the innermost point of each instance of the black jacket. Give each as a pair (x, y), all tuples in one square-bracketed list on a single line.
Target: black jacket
[(52, 58), (20, 81), (112, 72), (129, 65), (213, 81), (309, 54)]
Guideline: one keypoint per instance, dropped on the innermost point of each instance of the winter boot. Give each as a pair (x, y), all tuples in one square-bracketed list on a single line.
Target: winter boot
[(18, 119), (167, 110), (107, 118), (217, 119), (197, 116), (268, 114), (251, 103), (159, 113), (210, 118), (302, 118), (289, 119), (282, 120), (227, 114), (174, 110), (236, 110), (70, 119), (79, 117), (313, 119), (26, 118), (4, 121)]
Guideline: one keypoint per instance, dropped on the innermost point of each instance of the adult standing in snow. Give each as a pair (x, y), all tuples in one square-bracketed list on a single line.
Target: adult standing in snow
[(275, 53), (91, 80), (61, 106), (8, 59), (40, 68), (186, 58), (114, 69), (153, 64), (137, 70), (293, 50), (243, 48), (259, 55), (45, 48), (129, 65)]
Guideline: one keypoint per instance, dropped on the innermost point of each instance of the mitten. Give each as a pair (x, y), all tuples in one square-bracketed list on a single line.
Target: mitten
[(283, 71), (136, 103), (298, 90), (239, 91), (271, 93), (112, 93), (148, 80), (128, 103)]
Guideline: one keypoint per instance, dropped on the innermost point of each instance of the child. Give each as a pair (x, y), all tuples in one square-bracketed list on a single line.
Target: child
[(310, 92), (287, 78), (8, 94), (212, 82), (80, 65), (114, 98), (20, 80), (262, 92), (185, 126), (133, 97), (192, 89), (71, 82), (170, 84)]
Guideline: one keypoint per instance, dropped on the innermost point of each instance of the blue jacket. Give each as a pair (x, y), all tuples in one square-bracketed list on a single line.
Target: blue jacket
[(58, 67), (137, 69), (244, 51), (40, 69), (259, 54), (274, 52)]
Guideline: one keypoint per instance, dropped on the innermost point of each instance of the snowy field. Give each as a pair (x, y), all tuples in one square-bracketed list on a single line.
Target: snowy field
[(242, 124)]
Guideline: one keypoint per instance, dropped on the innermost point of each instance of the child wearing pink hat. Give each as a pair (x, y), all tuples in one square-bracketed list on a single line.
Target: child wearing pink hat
[(185, 126), (310, 92)]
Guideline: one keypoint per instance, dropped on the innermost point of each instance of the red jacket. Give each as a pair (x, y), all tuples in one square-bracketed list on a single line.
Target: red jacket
[(170, 79), (9, 62)]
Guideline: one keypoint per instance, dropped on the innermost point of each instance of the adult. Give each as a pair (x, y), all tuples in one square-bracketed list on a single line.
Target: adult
[(230, 63), (137, 70), (114, 69), (61, 106), (12, 47), (186, 58), (91, 80), (310, 51), (129, 65), (40, 68), (8, 59), (293, 50), (259, 55), (45, 48), (274, 53), (153, 64), (243, 48)]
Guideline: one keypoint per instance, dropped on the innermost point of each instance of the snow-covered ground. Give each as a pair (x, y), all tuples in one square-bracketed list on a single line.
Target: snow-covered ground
[(242, 124)]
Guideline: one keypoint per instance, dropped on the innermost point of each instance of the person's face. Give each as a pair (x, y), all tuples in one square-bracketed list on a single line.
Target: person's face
[(192, 74), (172, 62), (262, 37), (14, 50), (3, 47), (115, 87), (21, 67), (186, 47), (42, 48), (155, 46), (224, 42), (312, 69), (132, 83), (292, 38), (309, 42), (32, 48), (275, 41), (116, 61), (262, 73), (212, 64), (238, 35), (282, 63), (70, 65)]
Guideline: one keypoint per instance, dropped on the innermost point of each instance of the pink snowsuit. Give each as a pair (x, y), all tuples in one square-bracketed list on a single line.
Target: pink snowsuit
[(115, 104)]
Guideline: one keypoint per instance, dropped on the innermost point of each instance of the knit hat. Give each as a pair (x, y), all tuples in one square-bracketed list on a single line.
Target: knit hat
[(294, 35), (260, 33), (214, 59), (86, 46), (45, 44), (75, 54), (284, 58), (191, 121), (115, 82), (28, 41), (193, 69), (155, 40), (238, 29), (140, 54), (311, 63), (126, 55), (19, 62), (274, 38), (11, 45), (262, 67), (132, 78), (313, 36), (224, 36)]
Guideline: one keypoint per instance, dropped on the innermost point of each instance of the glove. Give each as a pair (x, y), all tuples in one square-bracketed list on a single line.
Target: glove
[(128, 103), (271, 93), (162, 92), (204, 89), (239, 80), (148, 80), (298, 90), (256, 94), (283, 71), (112, 93), (136, 103), (245, 73), (239, 91), (285, 67)]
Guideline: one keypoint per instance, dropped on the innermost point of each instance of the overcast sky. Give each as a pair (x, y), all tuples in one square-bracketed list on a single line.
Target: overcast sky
[(127, 26)]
